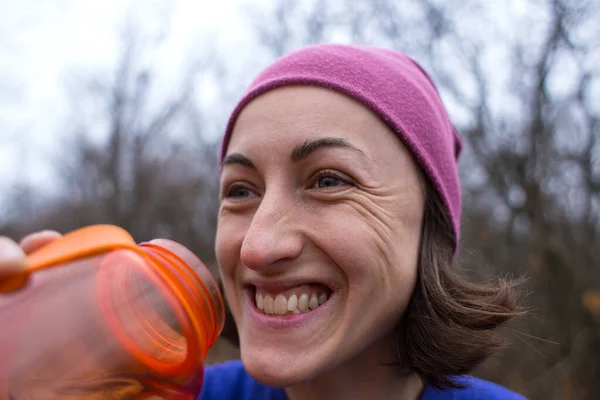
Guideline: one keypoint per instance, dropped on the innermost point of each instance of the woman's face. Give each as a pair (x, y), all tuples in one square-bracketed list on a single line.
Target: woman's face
[(318, 232)]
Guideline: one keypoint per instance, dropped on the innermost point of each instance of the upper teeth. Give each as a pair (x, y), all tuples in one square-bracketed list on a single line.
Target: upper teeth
[(296, 303)]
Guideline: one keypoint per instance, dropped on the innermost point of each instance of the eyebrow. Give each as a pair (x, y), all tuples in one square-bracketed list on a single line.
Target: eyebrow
[(299, 153), (304, 149), (239, 159)]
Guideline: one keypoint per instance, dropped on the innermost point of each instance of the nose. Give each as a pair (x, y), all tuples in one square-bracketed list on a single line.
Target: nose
[(273, 235)]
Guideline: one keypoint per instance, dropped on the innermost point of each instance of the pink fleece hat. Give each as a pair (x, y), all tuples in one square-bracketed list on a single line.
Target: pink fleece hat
[(392, 86)]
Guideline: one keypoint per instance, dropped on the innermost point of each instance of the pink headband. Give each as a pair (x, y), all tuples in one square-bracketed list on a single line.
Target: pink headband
[(391, 85)]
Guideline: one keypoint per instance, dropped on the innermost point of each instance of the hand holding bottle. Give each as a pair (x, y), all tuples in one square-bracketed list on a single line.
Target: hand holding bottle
[(93, 315)]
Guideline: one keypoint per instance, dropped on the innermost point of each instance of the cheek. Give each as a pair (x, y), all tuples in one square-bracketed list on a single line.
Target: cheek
[(366, 243), (379, 281), (227, 246), (378, 259), (228, 242), (227, 250)]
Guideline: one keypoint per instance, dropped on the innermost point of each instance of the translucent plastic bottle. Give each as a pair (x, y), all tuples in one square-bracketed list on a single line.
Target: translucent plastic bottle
[(104, 318)]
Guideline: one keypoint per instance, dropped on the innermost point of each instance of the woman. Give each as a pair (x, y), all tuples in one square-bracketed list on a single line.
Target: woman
[(339, 220)]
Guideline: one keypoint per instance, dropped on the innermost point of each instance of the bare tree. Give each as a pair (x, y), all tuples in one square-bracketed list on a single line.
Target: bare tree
[(145, 167)]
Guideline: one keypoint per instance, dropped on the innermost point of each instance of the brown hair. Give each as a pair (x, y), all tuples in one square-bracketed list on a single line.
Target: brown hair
[(451, 324)]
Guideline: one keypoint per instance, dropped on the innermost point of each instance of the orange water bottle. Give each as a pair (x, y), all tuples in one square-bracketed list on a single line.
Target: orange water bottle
[(102, 317)]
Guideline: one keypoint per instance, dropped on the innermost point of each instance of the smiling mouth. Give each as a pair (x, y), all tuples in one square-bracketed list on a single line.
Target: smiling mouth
[(297, 300)]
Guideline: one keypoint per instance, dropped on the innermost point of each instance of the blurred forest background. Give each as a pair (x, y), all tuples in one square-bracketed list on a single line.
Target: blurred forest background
[(524, 90)]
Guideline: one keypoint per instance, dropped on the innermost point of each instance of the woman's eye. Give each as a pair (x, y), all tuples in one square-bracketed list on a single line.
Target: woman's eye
[(330, 179), (238, 191)]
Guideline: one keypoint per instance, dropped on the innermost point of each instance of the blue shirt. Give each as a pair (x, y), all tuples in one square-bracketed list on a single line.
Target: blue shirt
[(230, 381)]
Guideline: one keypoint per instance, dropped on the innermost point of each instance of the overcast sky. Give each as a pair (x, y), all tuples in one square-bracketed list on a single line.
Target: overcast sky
[(42, 42)]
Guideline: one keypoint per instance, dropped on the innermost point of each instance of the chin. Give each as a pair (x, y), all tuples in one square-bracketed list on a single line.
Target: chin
[(281, 347), (274, 368)]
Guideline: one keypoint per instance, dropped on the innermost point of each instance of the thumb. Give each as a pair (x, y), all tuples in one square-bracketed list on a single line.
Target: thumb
[(12, 264), (12, 257)]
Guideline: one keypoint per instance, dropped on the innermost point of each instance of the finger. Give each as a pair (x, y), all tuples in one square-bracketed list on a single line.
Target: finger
[(12, 263), (37, 240), (12, 257)]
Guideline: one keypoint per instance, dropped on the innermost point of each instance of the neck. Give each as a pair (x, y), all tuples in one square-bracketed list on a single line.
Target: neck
[(364, 377)]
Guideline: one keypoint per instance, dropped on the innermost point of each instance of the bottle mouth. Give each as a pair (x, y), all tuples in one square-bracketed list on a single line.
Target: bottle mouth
[(163, 305)]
